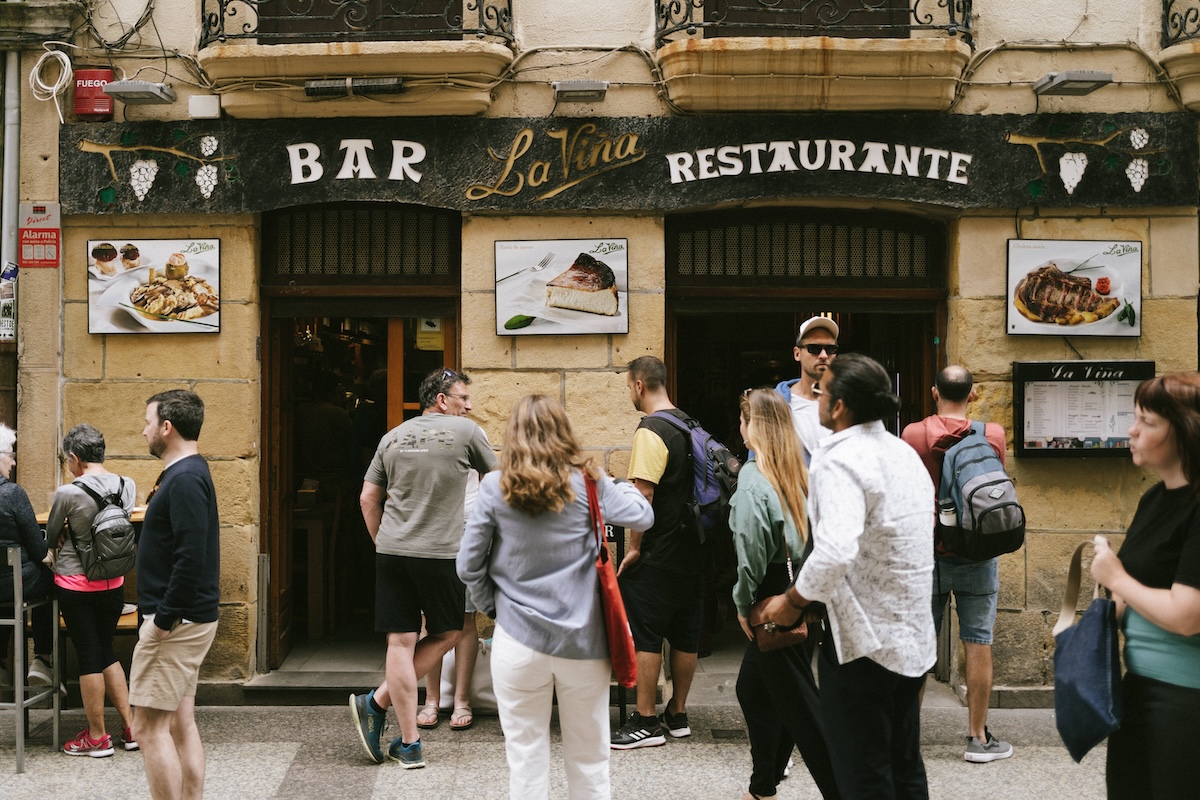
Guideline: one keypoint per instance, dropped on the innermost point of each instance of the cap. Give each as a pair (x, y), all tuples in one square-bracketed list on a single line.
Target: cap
[(817, 322)]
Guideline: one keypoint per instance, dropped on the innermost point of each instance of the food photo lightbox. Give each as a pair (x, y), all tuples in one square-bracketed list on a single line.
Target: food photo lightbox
[(1074, 288), (154, 285), (562, 286)]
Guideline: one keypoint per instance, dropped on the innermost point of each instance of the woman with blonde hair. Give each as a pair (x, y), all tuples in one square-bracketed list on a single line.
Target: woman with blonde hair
[(769, 521), (528, 559)]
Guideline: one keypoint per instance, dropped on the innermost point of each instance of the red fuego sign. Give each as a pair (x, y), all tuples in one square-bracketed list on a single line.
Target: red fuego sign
[(39, 235)]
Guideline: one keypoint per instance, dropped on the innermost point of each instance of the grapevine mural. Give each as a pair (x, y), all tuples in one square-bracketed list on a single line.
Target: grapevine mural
[(201, 168), (1113, 148)]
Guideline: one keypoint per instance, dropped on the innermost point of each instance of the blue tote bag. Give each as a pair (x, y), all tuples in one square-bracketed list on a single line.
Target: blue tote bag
[(1087, 668)]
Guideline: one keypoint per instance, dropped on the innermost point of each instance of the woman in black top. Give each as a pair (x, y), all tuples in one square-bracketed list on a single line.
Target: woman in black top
[(1155, 580)]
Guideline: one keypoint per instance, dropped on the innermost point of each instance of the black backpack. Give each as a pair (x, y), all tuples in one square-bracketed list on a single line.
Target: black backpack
[(714, 476), (988, 519), (108, 549)]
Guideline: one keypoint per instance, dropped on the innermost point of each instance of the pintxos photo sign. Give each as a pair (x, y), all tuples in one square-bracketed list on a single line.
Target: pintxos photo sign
[(562, 286), (1074, 288), (154, 285)]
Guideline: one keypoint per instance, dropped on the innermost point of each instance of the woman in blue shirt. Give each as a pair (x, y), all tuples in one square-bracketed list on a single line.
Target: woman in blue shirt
[(1155, 580), (775, 689), (528, 558)]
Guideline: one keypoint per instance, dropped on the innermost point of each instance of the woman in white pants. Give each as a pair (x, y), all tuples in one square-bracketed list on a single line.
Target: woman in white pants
[(528, 559)]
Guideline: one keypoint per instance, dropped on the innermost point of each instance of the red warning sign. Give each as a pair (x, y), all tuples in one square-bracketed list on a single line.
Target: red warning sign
[(39, 235)]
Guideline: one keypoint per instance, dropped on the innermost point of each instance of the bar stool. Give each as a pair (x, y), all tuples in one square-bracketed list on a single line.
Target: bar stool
[(19, 622)]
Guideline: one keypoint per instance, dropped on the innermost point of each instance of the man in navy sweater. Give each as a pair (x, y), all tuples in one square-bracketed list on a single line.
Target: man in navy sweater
[(177, 585)]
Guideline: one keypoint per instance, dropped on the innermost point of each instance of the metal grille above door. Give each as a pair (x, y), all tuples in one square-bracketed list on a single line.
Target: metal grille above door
[(362, 244), (805, 249)]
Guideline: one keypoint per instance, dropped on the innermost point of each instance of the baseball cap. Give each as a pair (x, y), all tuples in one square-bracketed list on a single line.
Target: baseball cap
[(812, 323)]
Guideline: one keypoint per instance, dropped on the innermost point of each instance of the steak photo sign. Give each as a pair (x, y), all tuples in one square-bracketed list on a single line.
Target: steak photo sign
[(1074, 288)]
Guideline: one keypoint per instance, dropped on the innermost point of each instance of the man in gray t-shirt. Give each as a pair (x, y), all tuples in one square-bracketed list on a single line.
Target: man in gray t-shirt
[(412, 503)]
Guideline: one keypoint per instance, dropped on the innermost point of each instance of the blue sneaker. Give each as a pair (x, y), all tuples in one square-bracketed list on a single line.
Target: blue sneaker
[(369, 724), (410, 756)]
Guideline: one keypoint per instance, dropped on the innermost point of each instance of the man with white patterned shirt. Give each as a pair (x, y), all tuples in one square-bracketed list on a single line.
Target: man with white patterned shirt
[(871, 565)]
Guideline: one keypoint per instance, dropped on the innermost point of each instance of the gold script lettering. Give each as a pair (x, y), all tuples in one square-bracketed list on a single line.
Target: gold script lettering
[(583, 154), (520, 145)]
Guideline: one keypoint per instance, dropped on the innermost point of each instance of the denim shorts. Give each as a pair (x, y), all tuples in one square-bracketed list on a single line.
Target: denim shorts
[(975, 585)]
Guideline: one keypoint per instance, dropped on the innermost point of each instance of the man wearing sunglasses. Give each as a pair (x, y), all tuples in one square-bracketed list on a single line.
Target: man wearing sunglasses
[(816, 345)]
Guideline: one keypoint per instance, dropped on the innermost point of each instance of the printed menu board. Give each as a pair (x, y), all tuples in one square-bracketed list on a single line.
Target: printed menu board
[(1075, 408)]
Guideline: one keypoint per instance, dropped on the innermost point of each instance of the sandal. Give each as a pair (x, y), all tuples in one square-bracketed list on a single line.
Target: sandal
[(461, 718), (427, 717)]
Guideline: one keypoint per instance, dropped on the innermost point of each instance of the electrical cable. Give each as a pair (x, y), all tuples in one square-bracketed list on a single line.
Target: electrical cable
[(50, 91)]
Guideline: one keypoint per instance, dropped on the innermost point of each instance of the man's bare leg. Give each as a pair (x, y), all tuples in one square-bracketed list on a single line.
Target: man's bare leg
[(407, 661), (979, 687), (683, 670), (649, 667), (164, 774)]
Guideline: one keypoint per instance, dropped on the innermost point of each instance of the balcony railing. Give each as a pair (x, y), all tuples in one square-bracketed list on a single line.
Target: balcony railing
[(843, 18), (1180, 21), (299, 21)]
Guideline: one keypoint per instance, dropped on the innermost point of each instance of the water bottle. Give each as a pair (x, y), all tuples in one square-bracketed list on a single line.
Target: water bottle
[(947, 515)]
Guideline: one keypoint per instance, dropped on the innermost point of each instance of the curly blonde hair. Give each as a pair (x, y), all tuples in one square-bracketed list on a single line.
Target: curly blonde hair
[(539, 453), (770, 433)]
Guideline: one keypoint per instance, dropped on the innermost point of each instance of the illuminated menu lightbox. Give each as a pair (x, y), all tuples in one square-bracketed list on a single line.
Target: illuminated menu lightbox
[(1075, 409)]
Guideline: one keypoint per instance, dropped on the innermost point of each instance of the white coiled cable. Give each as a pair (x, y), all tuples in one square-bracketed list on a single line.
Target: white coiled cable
[(50, 91)]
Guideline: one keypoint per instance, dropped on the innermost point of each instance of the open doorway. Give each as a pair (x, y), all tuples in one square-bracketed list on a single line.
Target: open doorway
[(746, 343), (338, 379)]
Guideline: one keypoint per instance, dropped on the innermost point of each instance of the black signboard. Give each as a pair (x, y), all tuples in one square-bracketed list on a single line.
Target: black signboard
[(1075, 408), (623, 164)]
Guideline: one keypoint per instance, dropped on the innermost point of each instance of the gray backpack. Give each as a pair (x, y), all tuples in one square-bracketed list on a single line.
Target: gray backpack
[(108, 549)]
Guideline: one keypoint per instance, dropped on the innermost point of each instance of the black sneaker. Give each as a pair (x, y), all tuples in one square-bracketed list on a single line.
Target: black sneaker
[(639, 731), (676, 724)]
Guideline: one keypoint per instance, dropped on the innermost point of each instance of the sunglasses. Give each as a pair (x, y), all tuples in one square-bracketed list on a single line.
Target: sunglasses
[(815, 349)]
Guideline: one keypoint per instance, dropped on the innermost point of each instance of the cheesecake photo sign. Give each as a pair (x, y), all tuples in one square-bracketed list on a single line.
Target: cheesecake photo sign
[(562, 286)]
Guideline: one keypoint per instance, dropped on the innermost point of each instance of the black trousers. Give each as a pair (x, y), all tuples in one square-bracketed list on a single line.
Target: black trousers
[(1150, 756), (38, 582), (779, 701), (873, 720)]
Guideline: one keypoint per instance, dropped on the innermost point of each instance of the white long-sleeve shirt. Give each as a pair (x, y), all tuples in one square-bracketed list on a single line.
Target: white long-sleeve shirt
[(872, 561)]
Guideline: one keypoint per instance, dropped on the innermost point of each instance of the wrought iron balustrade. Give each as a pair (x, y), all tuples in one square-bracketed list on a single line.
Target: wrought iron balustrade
[(844, 18), (297, 21), (1180, 21)]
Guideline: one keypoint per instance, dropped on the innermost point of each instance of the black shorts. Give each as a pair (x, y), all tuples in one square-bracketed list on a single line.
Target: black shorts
[(406, 588), (662, 605)]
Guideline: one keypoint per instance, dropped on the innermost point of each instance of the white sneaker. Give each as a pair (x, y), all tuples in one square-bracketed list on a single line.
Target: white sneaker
[(40, 672)]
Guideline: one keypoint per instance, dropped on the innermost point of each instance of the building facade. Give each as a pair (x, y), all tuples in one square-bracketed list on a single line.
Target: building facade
[(374, 189)]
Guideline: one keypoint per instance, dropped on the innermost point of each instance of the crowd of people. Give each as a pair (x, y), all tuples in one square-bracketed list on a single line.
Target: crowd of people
[(833, 527)]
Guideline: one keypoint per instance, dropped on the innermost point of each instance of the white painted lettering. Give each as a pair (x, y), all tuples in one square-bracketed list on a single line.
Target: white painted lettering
[(935, 161), (680, 165), (755, 150), (305, 162), (731, 164), (875, 160), (356, 163), (907, 159), (781, 157), (840, 151), (404, 155), (705, 159), (958, 168), (819, 161)]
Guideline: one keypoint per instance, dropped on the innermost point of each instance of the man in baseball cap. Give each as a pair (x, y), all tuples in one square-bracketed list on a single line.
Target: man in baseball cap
[(816, 346)]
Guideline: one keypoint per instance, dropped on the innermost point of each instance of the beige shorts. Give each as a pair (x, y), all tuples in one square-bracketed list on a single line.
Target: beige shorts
[(167, 670)]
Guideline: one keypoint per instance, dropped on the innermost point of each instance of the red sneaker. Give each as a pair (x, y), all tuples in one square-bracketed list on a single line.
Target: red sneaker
[(127, 740), (85, 745)]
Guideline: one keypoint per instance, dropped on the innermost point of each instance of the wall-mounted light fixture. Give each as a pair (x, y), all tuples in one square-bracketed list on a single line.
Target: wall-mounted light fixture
[(133, 93), (352, 87), (1072, 82), (579, 91)]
